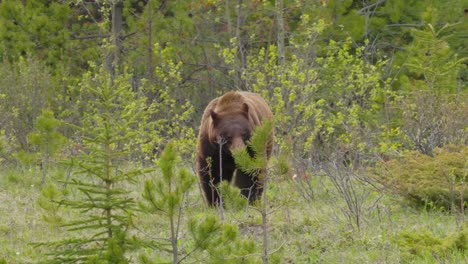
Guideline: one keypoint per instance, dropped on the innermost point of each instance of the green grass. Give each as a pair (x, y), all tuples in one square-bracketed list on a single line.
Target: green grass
[(20, 216), (300, 230)]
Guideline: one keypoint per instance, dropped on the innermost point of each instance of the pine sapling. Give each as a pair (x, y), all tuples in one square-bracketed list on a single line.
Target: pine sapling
[(258, 164), (166, 195), (47, 140), (100, 231)]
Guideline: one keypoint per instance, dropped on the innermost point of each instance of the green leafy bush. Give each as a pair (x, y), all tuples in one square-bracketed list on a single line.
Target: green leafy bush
[(314, 111), (436, 181), (169, 112)]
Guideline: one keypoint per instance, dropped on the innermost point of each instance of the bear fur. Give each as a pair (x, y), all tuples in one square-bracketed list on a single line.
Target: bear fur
[(230, 118)]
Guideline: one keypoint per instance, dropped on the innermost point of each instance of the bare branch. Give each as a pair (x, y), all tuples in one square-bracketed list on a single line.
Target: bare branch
[(363, 10)]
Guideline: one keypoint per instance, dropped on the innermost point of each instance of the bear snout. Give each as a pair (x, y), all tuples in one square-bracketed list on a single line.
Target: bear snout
[(236, 144)]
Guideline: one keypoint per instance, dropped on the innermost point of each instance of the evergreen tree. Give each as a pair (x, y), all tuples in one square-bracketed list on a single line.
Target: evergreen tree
[(101, 229), (258, 163), (165, 195), (432, 62), (47, 139), (26, 28), (210, 239), (433, 108)]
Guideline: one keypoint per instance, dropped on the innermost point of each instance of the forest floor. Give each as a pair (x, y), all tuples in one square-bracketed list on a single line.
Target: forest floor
[(308, 222)]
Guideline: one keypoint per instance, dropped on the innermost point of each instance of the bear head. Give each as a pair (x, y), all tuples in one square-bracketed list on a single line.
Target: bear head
[(231, 129)]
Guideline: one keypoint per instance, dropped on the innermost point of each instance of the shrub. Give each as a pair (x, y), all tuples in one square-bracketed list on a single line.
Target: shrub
[(424, 180), (313, 109), (25, 89), (4, 146), (432, 120), (423, 243)]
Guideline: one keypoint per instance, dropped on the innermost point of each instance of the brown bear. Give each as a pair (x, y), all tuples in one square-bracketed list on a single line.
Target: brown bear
[(229, 120)]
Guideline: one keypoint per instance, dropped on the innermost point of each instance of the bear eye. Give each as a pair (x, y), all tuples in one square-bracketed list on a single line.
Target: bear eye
[(245, 136)]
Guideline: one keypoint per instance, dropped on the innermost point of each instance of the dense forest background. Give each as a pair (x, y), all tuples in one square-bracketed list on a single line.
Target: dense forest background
[(386, 65), (374, 85)]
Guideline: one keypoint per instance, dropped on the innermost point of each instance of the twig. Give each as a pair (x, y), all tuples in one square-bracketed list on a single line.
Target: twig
[(364, 9), (221, 141)]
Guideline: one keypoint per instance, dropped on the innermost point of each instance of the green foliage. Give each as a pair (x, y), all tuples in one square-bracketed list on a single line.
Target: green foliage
[(47, 139), (165, 195), (169, 112), (49, 194), (345, 16), (105, 207), (430, 109), (258, 145), (350, 105), (330, 91), (313, 109), (391, 21), (437, 181), (232, 199), (434, 64), (26, 28), (258, 164), (304, 230), (221, 241), (115, 252), (25, 89), (65, 35), (423, 243), (4, 146)]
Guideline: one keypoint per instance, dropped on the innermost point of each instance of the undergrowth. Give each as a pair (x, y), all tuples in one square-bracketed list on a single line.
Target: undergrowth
[(304, 231)]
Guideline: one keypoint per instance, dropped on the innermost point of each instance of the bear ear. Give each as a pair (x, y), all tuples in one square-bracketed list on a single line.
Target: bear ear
[(214, 117), (245, 110)]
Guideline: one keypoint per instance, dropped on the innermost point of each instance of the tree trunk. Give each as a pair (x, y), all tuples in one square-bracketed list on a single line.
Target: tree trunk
[(241, 47), (114, 59), (227, 17), (280, 36), (149, 62)]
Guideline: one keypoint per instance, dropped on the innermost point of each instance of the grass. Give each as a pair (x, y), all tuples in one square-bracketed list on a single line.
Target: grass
[(21, 218), (300, 230)]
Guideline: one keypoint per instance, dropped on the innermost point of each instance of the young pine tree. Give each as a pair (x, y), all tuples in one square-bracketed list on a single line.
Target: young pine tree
[(165, 195), (209, 239), (103, 206), (46, 139), (259, 164)]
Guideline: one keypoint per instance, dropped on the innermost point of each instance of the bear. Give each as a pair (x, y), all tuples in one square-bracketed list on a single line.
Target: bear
[(227, 123)]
